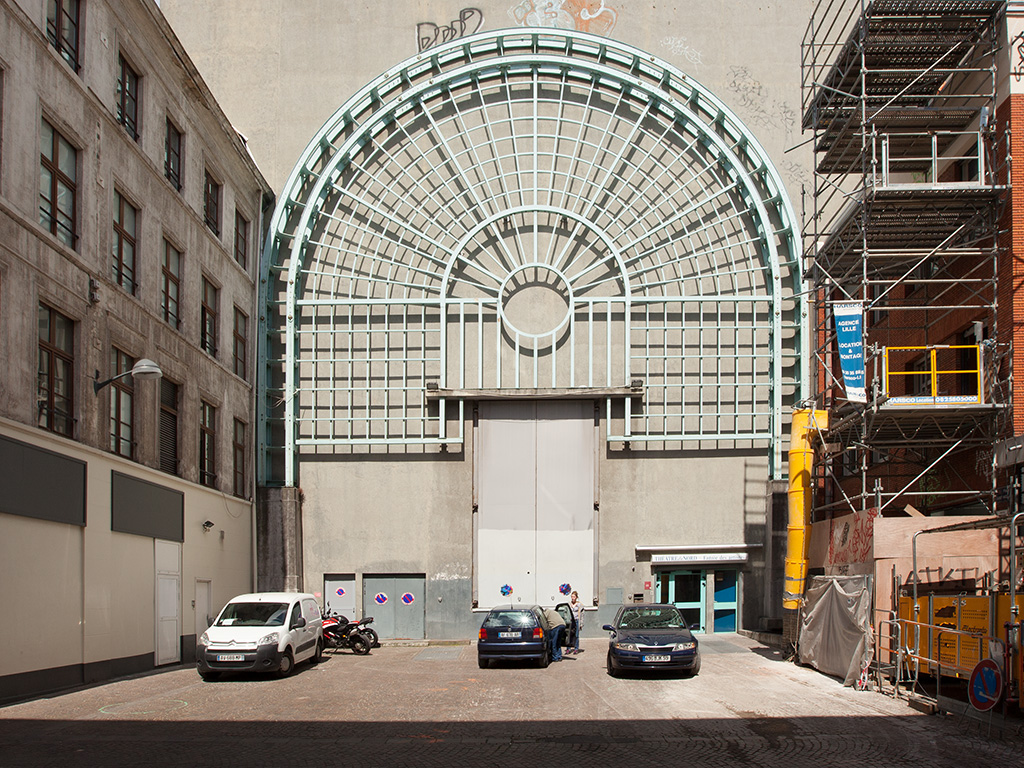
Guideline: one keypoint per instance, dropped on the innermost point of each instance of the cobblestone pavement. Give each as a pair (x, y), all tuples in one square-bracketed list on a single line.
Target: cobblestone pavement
[(432, 706)]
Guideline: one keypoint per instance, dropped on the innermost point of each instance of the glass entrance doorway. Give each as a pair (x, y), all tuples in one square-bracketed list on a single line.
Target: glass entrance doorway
[(686, 590), (689, 592)]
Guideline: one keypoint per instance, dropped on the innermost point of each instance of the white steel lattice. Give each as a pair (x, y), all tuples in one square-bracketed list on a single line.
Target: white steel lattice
[(530, 211)]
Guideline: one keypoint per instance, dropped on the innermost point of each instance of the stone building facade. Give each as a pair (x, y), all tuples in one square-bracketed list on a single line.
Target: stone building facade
[(131, 215)]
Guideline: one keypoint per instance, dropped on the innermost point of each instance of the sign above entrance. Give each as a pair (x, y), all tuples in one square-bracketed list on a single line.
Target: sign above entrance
[(701, 557)]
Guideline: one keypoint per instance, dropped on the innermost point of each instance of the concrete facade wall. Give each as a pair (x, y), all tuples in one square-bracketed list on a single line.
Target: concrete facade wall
[(378, 514), (98, 584), (302, 60), (281, 69)]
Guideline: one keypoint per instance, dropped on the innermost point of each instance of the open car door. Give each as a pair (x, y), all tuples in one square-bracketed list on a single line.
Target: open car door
[(569, 638)]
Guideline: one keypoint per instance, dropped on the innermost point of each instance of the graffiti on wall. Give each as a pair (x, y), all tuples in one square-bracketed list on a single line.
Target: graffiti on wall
[(678, 48), (581, 15), (851, 539), (757, 108), (1017, 44), (428, 34)]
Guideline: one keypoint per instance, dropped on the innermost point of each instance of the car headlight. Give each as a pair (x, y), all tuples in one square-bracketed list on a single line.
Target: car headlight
[(684, 646), (204, 639), (626, 646), (272, 638)]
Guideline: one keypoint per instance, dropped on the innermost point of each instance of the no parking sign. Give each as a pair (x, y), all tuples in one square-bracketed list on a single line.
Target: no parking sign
[(986, 685)]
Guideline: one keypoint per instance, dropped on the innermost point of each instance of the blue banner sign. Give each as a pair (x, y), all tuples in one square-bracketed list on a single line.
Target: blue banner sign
[(850, 340)]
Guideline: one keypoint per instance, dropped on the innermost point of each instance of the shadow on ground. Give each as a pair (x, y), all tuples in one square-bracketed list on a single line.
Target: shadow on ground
[(748, 740)]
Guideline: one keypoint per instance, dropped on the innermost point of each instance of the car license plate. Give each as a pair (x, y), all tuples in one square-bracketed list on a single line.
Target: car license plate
[(657, 658), (508, 634), (230, 657)]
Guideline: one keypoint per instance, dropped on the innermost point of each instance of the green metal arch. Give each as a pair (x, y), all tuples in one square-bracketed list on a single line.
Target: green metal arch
[(402, 90)]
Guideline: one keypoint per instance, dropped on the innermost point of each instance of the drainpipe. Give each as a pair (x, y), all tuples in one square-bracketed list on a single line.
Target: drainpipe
[(1012, 634), (805, 425)]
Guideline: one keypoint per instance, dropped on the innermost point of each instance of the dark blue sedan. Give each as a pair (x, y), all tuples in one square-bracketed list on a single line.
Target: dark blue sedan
[(651, 636)]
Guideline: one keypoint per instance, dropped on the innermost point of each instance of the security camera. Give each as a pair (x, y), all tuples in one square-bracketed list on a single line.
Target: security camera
[(207, 525)]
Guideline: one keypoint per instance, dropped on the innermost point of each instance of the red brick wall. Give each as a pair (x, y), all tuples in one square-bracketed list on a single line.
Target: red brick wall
[(1010, 114)]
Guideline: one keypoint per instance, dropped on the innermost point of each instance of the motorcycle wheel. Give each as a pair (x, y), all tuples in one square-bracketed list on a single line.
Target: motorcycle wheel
[(360, 644), (371, 637)]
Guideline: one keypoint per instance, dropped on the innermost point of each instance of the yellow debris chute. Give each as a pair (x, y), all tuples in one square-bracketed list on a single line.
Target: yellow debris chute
[(805, 426)]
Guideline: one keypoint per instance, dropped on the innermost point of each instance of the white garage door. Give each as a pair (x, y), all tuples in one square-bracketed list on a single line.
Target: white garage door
[(535, 527)]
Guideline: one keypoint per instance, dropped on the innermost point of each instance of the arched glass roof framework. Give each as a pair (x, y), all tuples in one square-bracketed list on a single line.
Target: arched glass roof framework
[(529, 213)]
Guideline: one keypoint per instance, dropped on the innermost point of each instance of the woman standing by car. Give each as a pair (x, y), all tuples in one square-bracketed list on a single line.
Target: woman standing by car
[(577, 613)]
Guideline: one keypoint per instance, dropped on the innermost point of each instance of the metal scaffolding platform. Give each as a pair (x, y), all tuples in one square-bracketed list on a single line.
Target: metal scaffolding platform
[(910, 170)]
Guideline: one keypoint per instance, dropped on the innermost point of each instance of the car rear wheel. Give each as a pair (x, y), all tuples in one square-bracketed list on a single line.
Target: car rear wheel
[(544, 660), (483, 663), (611, 669)]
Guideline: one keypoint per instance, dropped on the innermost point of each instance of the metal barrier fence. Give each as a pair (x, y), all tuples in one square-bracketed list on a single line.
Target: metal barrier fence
[(904, 649)]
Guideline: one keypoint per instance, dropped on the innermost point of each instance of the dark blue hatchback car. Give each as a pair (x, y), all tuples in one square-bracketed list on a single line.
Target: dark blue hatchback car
[(514, 632), (651, 637)]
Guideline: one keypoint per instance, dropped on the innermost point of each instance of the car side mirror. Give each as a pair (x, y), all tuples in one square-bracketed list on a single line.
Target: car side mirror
[(695, 626), (608, 627), (299, 623)]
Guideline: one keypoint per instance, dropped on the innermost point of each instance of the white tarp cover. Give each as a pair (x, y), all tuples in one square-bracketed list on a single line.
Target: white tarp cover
[(835, 627)]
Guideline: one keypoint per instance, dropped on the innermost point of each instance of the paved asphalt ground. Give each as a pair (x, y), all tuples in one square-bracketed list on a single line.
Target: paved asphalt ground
[(432, 706)]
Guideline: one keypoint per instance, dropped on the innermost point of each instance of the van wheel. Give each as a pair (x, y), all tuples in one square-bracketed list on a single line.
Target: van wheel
[(287, 664), (318, 654)]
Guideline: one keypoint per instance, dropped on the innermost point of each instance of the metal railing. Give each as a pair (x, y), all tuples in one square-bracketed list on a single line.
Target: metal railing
[(944, 379), (957, 656), (892, 168), (889, 652)]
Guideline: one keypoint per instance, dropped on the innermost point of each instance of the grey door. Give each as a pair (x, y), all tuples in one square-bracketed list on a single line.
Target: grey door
[(340, 594), (536, 523), (396, 604)]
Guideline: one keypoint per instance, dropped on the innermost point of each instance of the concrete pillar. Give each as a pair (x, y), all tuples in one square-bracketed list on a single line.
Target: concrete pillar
[(775, 555), (279, 540)]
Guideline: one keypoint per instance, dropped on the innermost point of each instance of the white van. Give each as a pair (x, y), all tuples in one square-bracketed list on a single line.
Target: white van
[(262, 632)]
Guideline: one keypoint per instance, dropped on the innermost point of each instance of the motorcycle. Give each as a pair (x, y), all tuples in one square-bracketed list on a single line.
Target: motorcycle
[(363, 625), (339, 632)]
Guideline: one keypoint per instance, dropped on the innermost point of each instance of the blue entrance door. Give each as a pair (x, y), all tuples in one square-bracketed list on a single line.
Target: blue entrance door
[(725, 601), (686, 590)]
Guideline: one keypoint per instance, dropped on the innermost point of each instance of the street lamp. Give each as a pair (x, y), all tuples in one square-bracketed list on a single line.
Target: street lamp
[(144, 368)]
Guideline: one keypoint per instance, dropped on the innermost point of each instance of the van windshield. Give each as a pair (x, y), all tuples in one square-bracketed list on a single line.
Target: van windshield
[(253, 615)]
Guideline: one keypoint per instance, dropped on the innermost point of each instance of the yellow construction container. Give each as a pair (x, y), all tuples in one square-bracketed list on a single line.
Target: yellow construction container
[(935, 633)]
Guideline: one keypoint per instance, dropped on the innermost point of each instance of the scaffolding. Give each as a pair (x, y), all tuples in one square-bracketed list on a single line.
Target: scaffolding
[(899, 97)]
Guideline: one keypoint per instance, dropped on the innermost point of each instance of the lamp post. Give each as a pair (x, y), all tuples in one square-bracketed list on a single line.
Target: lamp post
[(144, 368)]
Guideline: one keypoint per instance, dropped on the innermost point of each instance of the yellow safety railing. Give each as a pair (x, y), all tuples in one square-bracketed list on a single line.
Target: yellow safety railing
[(942, 370)]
